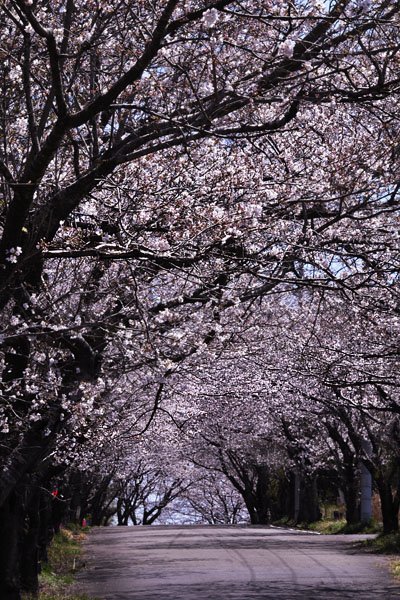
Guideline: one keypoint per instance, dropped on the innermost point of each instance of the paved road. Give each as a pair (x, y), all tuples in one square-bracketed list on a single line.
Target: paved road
[(230, 563)]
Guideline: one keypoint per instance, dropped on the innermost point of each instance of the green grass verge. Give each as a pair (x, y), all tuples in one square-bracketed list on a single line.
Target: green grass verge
[(387, 544), (331, 526), (64, 561)]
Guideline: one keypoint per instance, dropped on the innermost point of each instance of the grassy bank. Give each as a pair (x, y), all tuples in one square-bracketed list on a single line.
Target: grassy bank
[(65, 559), (333, 526)]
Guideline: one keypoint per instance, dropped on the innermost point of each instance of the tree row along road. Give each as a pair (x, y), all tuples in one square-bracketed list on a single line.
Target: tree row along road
[(199, 268), (241, 563)]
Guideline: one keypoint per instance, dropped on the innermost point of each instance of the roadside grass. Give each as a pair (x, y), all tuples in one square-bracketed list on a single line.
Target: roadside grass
[(65, 559), (333, 522), (395, 568), (333, 526), (341, 527), (387, 544)]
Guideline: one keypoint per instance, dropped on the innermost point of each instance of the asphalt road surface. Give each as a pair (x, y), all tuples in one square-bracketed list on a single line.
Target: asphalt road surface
[(230, 563)]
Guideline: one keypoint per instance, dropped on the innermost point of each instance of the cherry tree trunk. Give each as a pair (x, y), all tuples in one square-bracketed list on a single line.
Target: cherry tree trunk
[(296, 499), (30, 543), (46, 526), (309, 510), (351, 493), (263, 495), (390, 507), (257, 499), (10, 547)]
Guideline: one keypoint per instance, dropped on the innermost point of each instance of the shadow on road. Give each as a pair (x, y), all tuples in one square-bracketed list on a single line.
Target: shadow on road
[(263, 592), (216, 564)]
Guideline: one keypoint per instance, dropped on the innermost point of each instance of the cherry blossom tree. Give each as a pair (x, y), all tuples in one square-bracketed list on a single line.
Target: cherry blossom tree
[(162, 166), (349, 369), (213, 501)]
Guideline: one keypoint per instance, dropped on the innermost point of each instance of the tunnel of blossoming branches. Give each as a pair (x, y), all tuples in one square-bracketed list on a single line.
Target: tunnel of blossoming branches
[(199, 264)]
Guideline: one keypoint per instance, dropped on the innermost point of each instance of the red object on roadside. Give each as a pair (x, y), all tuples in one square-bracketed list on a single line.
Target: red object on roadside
[(54, 493), (83, 522)]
